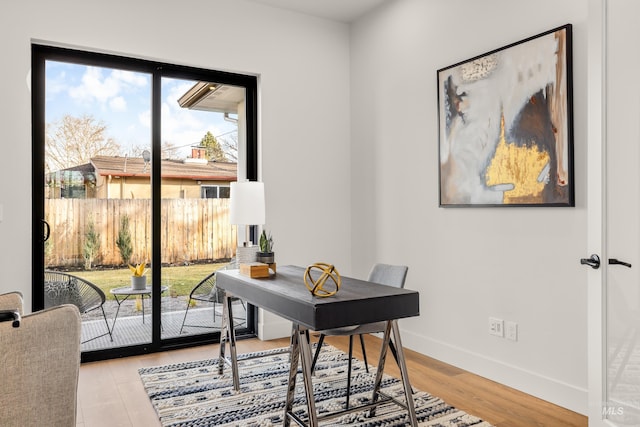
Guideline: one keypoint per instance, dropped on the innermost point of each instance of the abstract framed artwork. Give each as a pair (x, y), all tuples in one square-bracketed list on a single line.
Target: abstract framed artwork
[(505, 125)]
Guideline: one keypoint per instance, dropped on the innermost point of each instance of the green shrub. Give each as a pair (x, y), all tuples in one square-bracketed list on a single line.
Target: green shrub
[(91, 245), (123, 242)]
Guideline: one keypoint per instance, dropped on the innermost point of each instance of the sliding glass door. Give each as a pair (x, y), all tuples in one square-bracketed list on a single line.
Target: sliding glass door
[(132, 163), (195, 193)]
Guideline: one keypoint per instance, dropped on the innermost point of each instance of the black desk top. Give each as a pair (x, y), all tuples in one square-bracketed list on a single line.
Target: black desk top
[(286, 295)]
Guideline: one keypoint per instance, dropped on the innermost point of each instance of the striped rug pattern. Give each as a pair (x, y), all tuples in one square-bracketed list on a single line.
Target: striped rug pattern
[(193, 394)]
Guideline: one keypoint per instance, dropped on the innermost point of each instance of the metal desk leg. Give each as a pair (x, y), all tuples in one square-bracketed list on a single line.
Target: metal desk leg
[(300, 351), (383, 356), (232, 343), (228, 331), (405, 374), (294, 351), (223, 339), (392, 325), (305, 350)]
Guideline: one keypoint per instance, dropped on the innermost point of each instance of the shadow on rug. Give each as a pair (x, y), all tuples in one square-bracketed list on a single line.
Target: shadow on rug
[(193, 394)]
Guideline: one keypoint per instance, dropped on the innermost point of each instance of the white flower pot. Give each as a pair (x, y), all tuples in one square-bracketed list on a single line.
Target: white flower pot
[(139, 283)]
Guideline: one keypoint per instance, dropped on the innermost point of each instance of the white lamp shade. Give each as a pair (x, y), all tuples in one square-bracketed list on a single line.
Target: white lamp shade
[(247, 203)]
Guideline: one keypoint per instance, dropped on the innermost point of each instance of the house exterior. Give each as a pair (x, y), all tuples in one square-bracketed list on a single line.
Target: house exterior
[(109, 177)]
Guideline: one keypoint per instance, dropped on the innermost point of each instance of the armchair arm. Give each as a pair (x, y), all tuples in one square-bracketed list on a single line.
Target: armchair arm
[(10, 315), (12, 301)]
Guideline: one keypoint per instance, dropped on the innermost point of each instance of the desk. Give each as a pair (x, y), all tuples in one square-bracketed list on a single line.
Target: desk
[(285, 294), (127, 291)]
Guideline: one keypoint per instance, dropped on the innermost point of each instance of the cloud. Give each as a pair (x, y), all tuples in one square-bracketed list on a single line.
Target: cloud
[(131, 78), (145, 119), (107, 86), (118, 104), (57, 83)]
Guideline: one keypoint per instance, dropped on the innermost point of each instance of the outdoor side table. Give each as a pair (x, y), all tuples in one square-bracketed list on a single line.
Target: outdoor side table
[(122, 294)]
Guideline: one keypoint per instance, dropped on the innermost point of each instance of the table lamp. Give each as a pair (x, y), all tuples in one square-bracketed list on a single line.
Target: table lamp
[(247, 208)]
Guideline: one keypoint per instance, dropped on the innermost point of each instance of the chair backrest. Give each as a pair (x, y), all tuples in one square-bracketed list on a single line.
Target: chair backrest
[(39, 367), (204, 287), (207, 287), (390, 275), (63, 288)]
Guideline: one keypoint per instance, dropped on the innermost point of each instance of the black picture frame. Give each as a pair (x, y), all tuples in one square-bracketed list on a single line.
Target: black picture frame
[(505, 125)]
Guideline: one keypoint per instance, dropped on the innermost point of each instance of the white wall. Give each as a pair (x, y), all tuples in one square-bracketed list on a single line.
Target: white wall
[(518, 264), (468, 264), (303, 69)]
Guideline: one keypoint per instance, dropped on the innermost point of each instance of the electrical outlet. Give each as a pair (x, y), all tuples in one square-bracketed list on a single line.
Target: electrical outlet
[(496, 327), (511, 330)]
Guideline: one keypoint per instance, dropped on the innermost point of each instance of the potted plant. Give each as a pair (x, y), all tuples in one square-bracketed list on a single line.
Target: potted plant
[(265, 254), (138, 279)]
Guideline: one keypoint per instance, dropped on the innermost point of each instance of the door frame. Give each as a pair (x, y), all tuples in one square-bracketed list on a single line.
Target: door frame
[(597, 212), (40, 53)]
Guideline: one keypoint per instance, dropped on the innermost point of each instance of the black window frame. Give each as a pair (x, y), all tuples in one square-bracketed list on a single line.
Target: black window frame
[(39, 55)]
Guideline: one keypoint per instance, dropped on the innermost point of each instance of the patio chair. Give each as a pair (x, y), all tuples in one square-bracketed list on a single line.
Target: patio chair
[(207, 291), (384, 274), (40, 365), (64, 288)]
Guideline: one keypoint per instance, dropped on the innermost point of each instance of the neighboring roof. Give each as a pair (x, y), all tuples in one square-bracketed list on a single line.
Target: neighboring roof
[(85, 168), (136, 166)]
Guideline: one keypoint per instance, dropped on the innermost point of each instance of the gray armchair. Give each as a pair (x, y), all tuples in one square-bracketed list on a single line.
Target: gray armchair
[(63, 288), (39, 365), (384, 274)]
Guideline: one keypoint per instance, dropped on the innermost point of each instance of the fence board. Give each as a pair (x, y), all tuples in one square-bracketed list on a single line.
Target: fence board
[(191, 230)]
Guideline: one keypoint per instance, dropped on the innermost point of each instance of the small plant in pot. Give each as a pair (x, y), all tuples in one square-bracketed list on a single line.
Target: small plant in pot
[(266, 254), (138, 278)]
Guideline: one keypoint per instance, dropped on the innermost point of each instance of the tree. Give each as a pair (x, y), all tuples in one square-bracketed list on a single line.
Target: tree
[(214, 150), (229, 143), (91, 245), (74, 140), (123, 241), (169, 150)]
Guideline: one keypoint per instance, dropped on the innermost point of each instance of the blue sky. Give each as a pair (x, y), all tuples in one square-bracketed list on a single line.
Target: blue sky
[(122, 100)]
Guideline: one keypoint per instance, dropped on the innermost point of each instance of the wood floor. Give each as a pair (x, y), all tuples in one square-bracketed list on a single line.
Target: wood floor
[(110, 393)]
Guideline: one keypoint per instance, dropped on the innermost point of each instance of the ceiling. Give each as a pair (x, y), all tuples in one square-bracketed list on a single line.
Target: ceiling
[(210, 96), (337, 10)]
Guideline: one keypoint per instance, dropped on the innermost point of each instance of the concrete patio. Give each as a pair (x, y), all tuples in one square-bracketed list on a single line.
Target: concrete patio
[(131, 330)]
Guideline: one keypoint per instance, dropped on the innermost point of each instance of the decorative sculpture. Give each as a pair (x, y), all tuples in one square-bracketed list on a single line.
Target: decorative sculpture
[(316, 286)]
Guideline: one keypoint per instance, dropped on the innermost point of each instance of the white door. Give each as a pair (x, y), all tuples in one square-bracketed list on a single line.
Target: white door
[(614, 213)]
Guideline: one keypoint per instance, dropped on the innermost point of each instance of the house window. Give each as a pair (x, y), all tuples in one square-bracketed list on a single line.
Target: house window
[(215, 191)]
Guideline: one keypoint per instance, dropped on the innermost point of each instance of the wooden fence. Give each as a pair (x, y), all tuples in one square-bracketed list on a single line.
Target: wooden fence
[(192, 230)]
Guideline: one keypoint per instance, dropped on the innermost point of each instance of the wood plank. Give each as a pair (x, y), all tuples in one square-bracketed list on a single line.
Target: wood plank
[(192, 229)]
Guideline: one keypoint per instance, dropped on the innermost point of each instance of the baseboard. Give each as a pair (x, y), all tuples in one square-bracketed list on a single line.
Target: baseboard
[(546, 388)]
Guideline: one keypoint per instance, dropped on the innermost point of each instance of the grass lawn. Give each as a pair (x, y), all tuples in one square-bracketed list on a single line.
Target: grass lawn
[(182, 278)]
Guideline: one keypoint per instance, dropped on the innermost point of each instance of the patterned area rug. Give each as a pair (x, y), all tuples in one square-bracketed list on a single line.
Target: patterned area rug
[(193, 394)]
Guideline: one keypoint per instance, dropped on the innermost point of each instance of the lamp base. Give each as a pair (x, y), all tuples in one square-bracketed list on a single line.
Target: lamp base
[(246, 254)]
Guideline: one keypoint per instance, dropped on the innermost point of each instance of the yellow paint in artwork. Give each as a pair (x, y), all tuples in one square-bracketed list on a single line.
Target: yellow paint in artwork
[(520, 166)]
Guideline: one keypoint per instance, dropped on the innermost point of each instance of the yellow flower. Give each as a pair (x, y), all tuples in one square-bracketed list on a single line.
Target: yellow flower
[(138, 270)]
